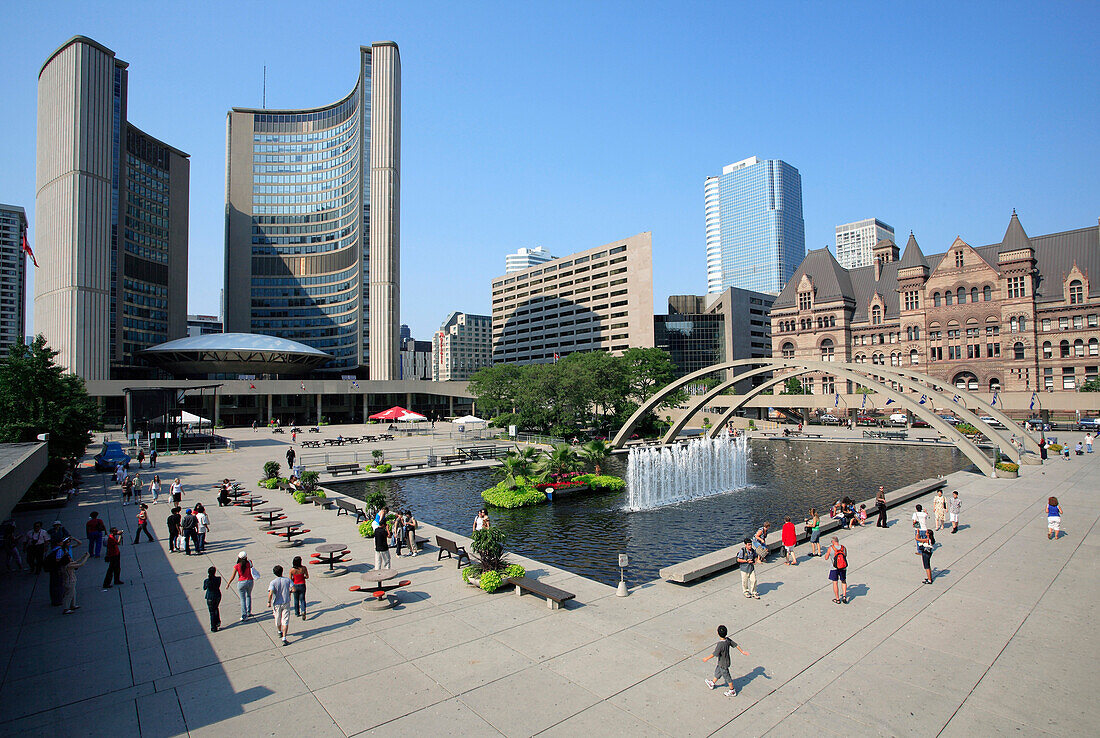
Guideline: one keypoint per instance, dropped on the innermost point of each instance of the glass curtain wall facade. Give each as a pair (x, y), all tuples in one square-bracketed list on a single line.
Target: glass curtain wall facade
[(299, 241), (761, 236)]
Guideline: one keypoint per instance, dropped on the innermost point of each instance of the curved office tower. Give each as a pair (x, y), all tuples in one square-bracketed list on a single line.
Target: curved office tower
[(110, 220), (312, 221)]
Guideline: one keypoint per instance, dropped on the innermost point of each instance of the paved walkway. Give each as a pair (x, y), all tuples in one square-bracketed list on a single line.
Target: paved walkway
[(1001, 643)]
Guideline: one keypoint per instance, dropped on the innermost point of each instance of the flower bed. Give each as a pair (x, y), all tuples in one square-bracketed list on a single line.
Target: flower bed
[(523, 495)]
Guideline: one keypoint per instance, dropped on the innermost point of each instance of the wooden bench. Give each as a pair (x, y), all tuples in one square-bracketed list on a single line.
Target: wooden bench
[(335, 469), (887, 435), (320, 501), (343, 507), (451, 459), (406, 463), (452, 549), (554, 596)]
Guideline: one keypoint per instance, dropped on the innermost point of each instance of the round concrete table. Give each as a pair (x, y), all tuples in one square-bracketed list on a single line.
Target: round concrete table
[(331, 554), (287, 540), (269, 516), (376, 577)]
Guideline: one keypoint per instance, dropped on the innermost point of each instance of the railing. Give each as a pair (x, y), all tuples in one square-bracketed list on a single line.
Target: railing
[(344, 455)]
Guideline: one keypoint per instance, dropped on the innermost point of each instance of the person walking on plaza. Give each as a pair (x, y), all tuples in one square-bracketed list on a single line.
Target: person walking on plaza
[(141, 457), (68, 578), (177, 492), (813, 523), (143, 524), (113, 558), (127, 489), (245, 575), (1054, 518), (38, 542), (410, 531), (289, 459), (173, 523), (939, 506), (760, 541), (56, 559), (381, 545), (746, 560), (920, 520), (202, 528), (838, 574), (153, 458), (278, 599), (57, 533), (880, 505), (925, 547), (298, 576), (10, 539), (189, 526), (1088, 443), (722, 668), (213, 587), (154, 486), (954, 507), (790, 539), (94, 529), (399, 531)]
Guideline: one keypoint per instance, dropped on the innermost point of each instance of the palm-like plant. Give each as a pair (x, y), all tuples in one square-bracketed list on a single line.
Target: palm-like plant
[(512, 467), (595, 453), (559, 460)]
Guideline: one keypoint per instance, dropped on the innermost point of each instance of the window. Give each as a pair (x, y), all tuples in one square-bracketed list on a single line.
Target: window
[(1092, 320), (914, 357), (1076, 292), (1016, 287), (1047, 350), (1094, 346), (961, 294), (973, 294), (966, 380), (992, 330), (1078, 347), (1046, 324), (936, 299), (912, 300), (788, 350), (1068, 382), (992, 350), (1063, 324), (948, 298), (1048, 378), (994, 384), (1063, 349), (959, 258), (1078, 321), (827, 349), (1017, 350), (876, 315), (805, 302), (987, 293), (1013, 325), (828, 385)]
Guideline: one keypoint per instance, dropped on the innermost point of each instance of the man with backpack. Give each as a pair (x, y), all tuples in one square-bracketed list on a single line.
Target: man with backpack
[(746, 558), (838, 574)]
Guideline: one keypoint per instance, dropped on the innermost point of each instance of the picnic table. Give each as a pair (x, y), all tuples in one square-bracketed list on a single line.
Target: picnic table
[(374, 587), (269, 515), (315, 430), (353, 439), (289, 528), (311, 444), (295, 429), (250, 503), (334, 441), (332, 554)]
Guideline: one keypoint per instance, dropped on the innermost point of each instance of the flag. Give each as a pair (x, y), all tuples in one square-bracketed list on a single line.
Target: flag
[(251, 385), (354, 384), (836, 402), (1032, 406), (994, 403), (303, 386), (27, 247), (555, 358), (889, 402), (956, 399), (923, 399), (864, 403)]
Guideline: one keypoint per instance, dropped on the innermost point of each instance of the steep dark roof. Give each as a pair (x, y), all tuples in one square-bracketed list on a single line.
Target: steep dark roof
[(913, 256), (865, 286), (1015, 238), (831, 280)]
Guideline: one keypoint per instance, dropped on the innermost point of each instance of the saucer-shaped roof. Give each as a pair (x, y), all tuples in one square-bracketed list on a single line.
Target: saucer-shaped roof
[(235, 353)]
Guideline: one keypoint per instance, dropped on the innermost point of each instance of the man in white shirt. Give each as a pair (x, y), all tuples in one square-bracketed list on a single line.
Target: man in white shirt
[(204, 526), (278, 599), (920, 520)]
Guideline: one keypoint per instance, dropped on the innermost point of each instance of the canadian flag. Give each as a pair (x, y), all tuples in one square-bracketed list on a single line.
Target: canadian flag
[(27, 247)]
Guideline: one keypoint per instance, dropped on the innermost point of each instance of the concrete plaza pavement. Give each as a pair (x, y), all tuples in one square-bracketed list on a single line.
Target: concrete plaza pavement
[(1001, 642)]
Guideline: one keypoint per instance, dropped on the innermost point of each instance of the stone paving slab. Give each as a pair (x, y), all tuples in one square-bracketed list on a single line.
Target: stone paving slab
[(900, 658)]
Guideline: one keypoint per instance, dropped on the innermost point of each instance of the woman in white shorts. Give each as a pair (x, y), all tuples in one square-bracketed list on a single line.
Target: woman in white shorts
[(1054, 518)]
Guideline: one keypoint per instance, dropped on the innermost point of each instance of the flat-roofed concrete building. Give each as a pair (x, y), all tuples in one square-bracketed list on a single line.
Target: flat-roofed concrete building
[(600, 299), (416, 359), (461, 346), (13, 276), (312, 221), (525, 258), (111, 214), (203, 325), (855, 242)]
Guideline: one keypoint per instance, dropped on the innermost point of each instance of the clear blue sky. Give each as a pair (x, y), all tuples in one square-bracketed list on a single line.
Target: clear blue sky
[(569, 125)]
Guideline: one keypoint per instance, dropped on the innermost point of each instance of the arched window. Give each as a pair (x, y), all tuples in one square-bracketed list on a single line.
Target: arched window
[(962, 295), (987, 293), (1094, 347), (1079, 347), (994, 384), (1076, 292), (914, 357), (948, 298), (1047, 350), (861, 359), (1018, 350), (966, 380), (936, 299), (1023, 322), (827, 349), (788, 350), (1063, 349), (973, 294), (1014, 325), (876, 315)]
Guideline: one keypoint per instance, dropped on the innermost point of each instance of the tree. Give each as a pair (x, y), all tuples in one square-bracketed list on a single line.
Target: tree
[(559, 460), (595, 453), (793, 386), (37, 396), (1092, 385), (513, 466)]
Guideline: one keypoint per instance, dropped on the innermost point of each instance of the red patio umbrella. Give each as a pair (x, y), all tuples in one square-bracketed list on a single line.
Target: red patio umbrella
[(394, 413)]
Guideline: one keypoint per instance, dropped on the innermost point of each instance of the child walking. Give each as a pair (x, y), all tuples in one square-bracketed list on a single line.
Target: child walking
[(722, 668)]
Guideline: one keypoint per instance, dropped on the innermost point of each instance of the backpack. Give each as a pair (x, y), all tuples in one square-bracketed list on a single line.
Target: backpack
[(840, 561)]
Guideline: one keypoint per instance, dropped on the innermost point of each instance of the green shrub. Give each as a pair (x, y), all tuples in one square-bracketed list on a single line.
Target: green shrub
[(488, 545), (272, 483), (491, 581), (376, 501), (366, 529), (382, 468), (309, 481), (470, 571), (1007, 466), (602, 482), (523, 495), (515, 571), (966, 429), (320, 493), (299, 497), (271, 469), (1055, 447)]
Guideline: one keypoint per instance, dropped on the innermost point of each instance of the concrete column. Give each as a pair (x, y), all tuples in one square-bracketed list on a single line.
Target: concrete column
[(408, 400), (217, 410), (451, 406), (270, 402), (129, 415), (318, 409)]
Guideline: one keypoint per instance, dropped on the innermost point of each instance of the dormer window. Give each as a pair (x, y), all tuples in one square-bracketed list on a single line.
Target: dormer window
[(876, 315), (1076, 292), (805, 301)]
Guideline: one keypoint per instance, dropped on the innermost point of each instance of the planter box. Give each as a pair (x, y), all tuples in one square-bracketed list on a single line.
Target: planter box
[(1002, 474)]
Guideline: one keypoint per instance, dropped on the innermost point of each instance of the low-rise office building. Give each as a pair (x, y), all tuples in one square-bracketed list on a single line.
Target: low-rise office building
[(461, 346), (416, 359), (600, 299)]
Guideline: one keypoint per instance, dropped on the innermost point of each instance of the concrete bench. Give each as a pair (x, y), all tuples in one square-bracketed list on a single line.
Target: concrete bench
[(451, 459), (554, 596), (407, 463), (336, 469)]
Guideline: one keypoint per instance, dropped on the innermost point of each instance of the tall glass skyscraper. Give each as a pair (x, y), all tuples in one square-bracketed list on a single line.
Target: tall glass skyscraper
[(312, 221), (755, 234)]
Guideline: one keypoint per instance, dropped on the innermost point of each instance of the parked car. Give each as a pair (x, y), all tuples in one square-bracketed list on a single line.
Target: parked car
[(1089, 424), (950, 419), (110, 457), (866, 420), (828, 419), (1037, 424), (899, 419), (918, 423), (990, 421)]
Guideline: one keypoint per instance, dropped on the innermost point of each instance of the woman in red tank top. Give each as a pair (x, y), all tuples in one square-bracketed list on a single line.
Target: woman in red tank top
[(298, 576)]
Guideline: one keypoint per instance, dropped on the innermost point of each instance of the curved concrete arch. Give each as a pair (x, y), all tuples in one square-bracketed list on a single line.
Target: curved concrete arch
[(679, 425)]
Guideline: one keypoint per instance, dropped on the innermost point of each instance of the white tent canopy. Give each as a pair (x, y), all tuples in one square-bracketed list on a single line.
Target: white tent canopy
[(469, 420), (185, 417), (410, 415)]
